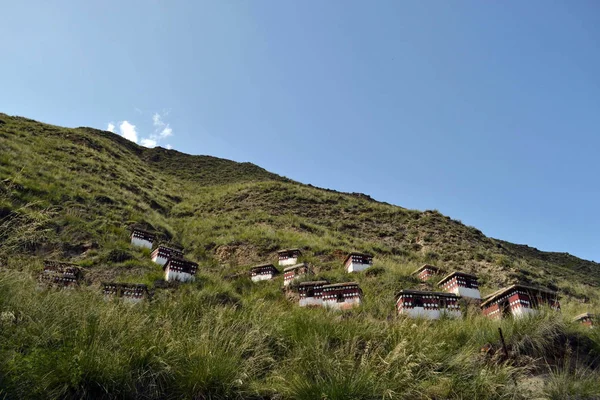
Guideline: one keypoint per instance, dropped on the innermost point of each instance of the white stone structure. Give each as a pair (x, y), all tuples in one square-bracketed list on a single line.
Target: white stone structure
[(586, 319), (342, 296), (263, 272), (288, 256), (461, 284), (356, 262), (142, 238), (428, 305), (162, 254), (178, 269), (311, 293), (129, 292), (294, 272), (518, 301), (427, 271), (61, 274)]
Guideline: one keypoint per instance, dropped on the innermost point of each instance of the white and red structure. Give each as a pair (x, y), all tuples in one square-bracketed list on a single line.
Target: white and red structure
[(263, 272), (142, 238), (461, 284), (295, 272), (178, 269), (288, 256), (429, 305), (586, 319), (129, 292), (311, 293), (342, 296), (356, 262), (426, 272), (518, 301), (162, 254), (61, 274)]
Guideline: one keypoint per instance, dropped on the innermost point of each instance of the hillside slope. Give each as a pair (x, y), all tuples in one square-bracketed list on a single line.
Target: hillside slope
[(74, 194), (99, 177)]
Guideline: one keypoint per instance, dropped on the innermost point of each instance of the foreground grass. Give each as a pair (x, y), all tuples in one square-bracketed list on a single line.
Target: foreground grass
[(204, 342), (73, 194)]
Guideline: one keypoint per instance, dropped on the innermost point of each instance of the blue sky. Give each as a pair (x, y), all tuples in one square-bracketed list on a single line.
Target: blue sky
[(486, 111)]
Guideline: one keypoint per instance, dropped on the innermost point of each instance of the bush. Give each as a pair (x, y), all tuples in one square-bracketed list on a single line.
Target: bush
[(118, 256), (503, 261)]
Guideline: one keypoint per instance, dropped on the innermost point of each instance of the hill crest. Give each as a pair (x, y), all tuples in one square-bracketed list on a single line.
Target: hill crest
[(170, 183), (74, 194)]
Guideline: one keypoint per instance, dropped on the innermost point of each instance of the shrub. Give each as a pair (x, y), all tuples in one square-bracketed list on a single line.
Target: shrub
[(118, 256)]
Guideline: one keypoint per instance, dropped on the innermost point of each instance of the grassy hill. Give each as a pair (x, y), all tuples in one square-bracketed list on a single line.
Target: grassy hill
[(74, 194)]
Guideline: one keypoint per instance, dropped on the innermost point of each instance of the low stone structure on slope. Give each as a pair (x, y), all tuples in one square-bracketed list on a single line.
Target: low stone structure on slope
[(129, 292), (356, 262), (163, 253), (311, 293), (461, 284), (288, 256), (427, 271), (178, 269), (61, 274), (586, 319), (518, 300), (425, 304), (294, 272), (142, 238), (263, 272), (342, 296)]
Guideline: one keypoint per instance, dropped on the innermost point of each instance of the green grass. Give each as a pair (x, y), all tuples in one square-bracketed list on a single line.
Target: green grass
[(206, 340), (73, 194)]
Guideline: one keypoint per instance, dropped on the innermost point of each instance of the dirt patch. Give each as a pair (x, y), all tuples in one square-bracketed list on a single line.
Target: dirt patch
[(96, 275), (77, 249), (336, 255), (239, 255), (291, 294), (235, 276)]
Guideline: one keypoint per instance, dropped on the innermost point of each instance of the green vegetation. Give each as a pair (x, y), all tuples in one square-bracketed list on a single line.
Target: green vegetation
[(73, 194)]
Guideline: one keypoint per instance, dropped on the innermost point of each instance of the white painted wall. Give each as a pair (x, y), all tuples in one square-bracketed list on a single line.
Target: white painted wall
[(141, 243), (264, 277), (356, 267), (289, 261), (421, 312), (520, 311), (160, 260), (467, 292), (287, 282), (310, 301), (177, 276)]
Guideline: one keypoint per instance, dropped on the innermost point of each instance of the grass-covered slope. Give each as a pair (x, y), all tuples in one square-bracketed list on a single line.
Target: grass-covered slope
[(73, 194)]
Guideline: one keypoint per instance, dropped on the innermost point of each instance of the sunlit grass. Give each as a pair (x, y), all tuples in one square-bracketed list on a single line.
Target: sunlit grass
[(64, 191)]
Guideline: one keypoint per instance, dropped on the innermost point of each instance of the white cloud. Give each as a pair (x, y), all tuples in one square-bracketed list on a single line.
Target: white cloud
[(146, 142), (128, 131), (166, 132), (162, 130), (169, 147), (157, 120)]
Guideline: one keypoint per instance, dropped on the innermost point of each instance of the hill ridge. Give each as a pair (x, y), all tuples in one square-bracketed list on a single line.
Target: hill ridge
[(73, 195), (266, 193)]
